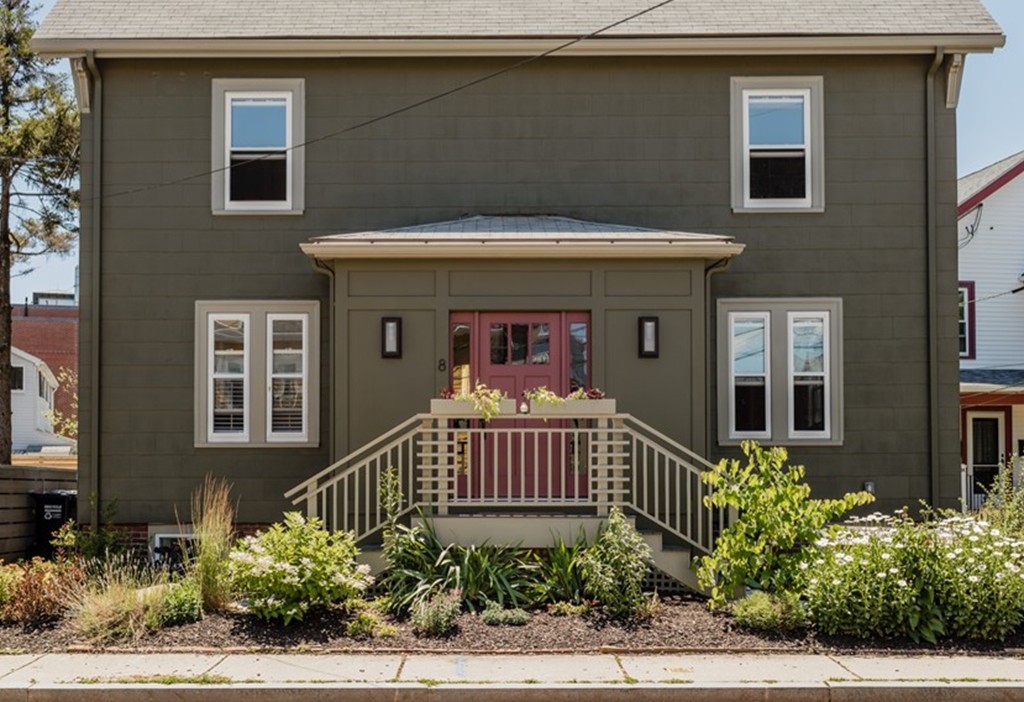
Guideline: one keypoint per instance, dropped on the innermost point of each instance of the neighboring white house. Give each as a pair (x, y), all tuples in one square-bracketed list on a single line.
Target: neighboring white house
[(991, 334), (32, 388)]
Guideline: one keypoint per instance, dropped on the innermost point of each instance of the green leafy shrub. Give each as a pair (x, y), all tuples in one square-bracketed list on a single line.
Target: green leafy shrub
[(771, 612), (496, 615), (772, 539), (614, 568), (568, 609), (9, 576), (182, 603), (420, 565), (436, 615), (73, 541), (1004, 503), (955, 576), (213, 528), (560, 575), (294, 565), (43, 591)]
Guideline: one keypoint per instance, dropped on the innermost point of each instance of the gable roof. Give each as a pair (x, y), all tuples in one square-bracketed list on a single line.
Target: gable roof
[(76, 25), (521, 236), (973, 188)]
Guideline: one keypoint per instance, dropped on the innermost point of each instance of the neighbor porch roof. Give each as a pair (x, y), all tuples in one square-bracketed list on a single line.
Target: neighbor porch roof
[(522, 236)]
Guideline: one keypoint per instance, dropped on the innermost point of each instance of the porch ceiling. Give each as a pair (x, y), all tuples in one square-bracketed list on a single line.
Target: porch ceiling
[(520, 236)]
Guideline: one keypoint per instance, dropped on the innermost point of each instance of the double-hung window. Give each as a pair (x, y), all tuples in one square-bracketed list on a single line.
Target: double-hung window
[(965, 319), (778, 144), (258, 158), (780, 373), (256, 373)]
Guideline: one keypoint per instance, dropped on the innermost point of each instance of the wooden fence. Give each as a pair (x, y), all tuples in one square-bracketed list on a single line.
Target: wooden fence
[(17, 518)]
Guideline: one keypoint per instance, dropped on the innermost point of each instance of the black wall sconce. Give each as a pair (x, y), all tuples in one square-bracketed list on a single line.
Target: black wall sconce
[(647, 337), (391, 337)]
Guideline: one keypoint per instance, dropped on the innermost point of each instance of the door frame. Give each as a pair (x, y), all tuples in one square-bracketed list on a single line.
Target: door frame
[(1003, 415)]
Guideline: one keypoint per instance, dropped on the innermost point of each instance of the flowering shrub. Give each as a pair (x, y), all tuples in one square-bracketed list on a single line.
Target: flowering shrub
[(956, 576), (295, 565), (772, 540)]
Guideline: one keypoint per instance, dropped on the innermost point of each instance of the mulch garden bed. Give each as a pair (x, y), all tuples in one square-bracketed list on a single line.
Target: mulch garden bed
[(682, 624)]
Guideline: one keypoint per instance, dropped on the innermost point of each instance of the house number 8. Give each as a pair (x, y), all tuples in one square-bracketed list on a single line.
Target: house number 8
[(442, 365)]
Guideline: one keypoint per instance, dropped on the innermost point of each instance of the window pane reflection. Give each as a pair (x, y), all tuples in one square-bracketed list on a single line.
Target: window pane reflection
[(499, 344), (579, 376), (540, 345), (520, 338), (461, 372)]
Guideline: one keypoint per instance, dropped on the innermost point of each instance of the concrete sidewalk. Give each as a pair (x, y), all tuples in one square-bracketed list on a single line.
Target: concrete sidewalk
[(522, 678)]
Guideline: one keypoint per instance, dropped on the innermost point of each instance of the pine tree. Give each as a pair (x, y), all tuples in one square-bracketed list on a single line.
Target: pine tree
[(39, 149)]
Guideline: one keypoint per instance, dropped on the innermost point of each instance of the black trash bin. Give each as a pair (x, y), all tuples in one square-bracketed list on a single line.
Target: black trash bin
[(53, 509)]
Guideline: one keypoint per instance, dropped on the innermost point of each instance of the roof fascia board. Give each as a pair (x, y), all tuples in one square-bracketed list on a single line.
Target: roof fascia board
[(524, 249), (997, 184), (633, 46)]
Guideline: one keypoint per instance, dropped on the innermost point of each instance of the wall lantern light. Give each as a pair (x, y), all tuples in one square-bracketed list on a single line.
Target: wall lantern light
[(391, 337), (647, 334)]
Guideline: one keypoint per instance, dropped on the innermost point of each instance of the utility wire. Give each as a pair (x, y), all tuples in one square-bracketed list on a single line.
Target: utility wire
[(398, 111)]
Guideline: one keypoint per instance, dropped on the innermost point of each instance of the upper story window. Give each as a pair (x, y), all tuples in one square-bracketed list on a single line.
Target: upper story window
[(256, 373), (965, 319), (258, 129), (17, 378), (777, 144), (780, 370)]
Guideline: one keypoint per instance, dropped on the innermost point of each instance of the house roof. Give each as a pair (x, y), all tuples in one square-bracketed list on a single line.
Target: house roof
[(522, 236), (973, 188), (39, 363), (76, 25), (989, 380)]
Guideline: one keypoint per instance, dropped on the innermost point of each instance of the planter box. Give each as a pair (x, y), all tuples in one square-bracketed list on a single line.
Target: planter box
[(574, 408), (464, 408)]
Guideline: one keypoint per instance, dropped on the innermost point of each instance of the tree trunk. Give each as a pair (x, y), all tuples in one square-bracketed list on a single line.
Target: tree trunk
[(5, 321)]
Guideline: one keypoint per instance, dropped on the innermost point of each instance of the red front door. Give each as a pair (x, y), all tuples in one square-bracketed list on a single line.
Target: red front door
[(515, 352)]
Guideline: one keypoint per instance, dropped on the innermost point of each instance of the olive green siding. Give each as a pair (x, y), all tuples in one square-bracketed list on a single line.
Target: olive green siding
[(641, 141)]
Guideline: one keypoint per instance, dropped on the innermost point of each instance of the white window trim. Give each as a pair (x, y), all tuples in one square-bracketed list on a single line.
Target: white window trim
[(733, 433), (232, 437), (814, 136), (779, 358), (258, 313), (285, 204), (825, 317), (288, 436), (294, 89), (806, 147)]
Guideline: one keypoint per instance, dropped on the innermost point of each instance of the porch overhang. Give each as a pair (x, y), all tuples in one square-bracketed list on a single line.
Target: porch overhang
[(521, 236)]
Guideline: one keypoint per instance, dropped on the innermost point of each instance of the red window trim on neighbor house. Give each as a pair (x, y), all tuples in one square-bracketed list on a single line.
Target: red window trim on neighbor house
[(968, 285)]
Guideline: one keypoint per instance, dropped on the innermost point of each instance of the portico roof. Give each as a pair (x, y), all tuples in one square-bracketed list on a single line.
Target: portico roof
[(522, 236)]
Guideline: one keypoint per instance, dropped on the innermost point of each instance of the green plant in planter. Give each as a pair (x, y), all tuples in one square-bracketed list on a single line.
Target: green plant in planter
[(771, 543), (543, 396), (486, 401), (586, 394)]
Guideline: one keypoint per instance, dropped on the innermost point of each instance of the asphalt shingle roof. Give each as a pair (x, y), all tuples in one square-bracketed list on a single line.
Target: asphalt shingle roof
[(324, 19), (1007, 379), (977, 181)]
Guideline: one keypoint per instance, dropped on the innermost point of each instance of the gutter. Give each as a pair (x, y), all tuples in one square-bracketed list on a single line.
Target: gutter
[(411, 249), (96, 109), (322, 268), (932, 289), (420, 46)]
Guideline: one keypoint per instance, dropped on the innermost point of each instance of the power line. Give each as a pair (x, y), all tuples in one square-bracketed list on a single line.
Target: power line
[(398, 111)]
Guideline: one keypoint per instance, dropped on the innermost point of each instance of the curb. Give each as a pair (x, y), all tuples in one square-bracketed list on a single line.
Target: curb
[(925, 691)]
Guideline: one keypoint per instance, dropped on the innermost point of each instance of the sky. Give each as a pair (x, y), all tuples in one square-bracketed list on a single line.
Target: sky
[(989, 127)]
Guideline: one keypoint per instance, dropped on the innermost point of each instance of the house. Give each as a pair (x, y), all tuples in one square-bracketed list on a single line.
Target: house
[(991, 243), (32, 388), (735, 218), (48, 329)]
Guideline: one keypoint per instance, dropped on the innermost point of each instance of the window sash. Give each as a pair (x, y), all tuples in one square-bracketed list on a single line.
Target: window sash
[(285, 152), (964, 330), (302, 376), (751, 151), (804, 378), (734, 374), (214, 375), (17, 379)]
